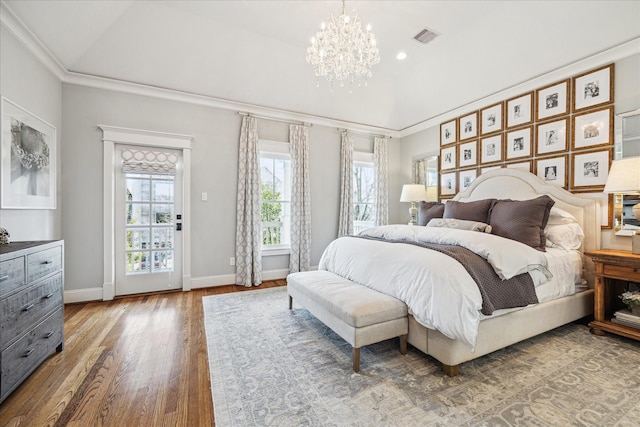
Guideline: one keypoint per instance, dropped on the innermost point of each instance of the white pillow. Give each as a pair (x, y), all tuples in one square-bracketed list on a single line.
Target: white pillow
[(564, 236), (459, 224), (558, 216)]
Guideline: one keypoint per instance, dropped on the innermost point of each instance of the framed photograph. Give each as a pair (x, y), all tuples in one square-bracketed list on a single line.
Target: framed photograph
[(468, 126), (28, 159), (553, 170), (468, 153), (489, 169), (520, 110), (592, 129), (551, 137), (593, 88), (449, 132), (448, 158), (590, 169), (606, 206), (491, 119), (525, 166), (518, 143), (448, 184), (491, 149), (552, 101), (466, 178)]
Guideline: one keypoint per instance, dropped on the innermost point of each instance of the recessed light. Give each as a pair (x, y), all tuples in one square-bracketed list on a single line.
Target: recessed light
[(401, 55)]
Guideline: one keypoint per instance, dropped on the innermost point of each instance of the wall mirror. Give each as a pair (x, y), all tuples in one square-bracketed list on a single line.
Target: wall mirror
[(425, 171), (627, 144)]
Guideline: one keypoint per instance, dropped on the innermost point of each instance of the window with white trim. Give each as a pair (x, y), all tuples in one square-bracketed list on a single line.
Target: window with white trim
[(275, 189), (364, 192)]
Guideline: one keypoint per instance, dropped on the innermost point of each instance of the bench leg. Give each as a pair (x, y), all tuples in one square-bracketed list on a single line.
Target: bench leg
[(356, 359), (290, 302), (403, 344), (450, 370)]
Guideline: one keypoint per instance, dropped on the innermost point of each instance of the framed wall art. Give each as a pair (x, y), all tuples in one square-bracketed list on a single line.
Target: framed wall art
[(28, 148), (468, 153), (491, 149), (468, 126), (552, 101), (448, 158), (593, 128), (519, 110), (553, 170), (466, 177), (518, 143), (606, 206), (448, 184), (551, 137), (593, 88), (449, 132), (590, 169), (492, 119), (526, 165)]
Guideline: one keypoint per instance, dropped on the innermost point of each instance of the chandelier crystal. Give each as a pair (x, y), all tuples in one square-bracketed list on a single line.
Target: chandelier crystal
[(341, 52)]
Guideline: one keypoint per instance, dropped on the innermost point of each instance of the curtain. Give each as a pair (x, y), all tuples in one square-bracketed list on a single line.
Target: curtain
[(345, 220), (248, 236), (380, 167), (300, 257)]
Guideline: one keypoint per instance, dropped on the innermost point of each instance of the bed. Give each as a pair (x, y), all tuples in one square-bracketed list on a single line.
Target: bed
[(440, 329)]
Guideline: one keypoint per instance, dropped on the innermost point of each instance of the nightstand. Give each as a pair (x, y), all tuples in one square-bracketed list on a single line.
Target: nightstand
[(613, 270)]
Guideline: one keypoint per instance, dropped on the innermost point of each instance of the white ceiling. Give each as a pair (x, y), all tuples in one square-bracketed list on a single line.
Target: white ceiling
[(253, 52)]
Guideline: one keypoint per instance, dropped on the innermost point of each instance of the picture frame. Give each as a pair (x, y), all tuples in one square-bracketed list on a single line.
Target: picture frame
[(448, 184), (468, 126), (492, 119), (595, 87), (448, 158), (519, 110), (491, 149), (592, 128), (551, 137), (526, 165), (553, 170), (449, 132), (489, 169), (552, 100), (606, 206), (468, 154), (28, 148), (518, 143), (466, 177), (590, 169)]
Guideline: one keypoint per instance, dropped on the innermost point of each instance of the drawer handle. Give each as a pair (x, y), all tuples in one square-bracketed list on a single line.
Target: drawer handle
[(28, 352), (47, 296), (29, 307), (48, 335), (47, 262), (4, 277)]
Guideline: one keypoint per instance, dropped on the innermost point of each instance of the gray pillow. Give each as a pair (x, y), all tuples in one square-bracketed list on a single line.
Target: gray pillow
[(471, 211), (429, 210), (522, 220)]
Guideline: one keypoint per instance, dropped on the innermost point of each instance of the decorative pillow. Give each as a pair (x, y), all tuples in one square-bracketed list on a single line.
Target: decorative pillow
[(559, 216), (564, 236), (429, 210), (522, 220), (460, 224), (470, 211)]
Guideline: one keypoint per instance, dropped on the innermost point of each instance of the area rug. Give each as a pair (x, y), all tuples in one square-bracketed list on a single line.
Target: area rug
[(271, 366)]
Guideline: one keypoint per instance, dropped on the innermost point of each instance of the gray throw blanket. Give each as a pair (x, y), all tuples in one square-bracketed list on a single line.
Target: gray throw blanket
[(518, 291)]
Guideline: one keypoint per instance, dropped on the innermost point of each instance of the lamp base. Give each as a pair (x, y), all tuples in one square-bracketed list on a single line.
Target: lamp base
[(413, 214)]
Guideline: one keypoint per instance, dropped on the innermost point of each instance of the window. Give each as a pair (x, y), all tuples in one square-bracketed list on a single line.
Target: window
[(364, 192), (275, 188)]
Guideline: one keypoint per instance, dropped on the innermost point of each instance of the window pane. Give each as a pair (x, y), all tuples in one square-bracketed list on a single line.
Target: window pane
[(137, 262), (163, 238), (137, 214), (363, 184), (275, 176), (363, 212), (163, 191), (138, 190), (162, 261), (137, 238), (163, 214)]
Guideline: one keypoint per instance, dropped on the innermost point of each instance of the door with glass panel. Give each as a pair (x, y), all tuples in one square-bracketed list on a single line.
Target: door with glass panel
[(148, 217)]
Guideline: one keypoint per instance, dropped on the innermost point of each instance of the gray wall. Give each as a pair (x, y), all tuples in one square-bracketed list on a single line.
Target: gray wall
[(27, 83)]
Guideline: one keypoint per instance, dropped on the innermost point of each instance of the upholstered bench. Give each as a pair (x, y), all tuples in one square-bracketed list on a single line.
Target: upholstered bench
[(360, 315)]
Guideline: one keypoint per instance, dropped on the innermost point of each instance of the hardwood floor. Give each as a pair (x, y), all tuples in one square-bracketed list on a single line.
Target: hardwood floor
[(134, 361)]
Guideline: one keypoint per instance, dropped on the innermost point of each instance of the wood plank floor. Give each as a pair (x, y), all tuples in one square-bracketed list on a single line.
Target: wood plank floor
[(134, 361)]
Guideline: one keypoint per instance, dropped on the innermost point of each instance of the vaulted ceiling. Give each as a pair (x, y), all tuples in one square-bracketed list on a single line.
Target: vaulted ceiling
[(253, 52)]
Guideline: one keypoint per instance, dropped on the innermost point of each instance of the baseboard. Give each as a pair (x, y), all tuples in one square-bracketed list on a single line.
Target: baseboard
[(83, 295)]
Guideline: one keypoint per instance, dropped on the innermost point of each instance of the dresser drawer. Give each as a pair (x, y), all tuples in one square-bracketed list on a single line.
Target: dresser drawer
[(23, 309), (11, 274), (631, 274), (43, 263), (26, 354)]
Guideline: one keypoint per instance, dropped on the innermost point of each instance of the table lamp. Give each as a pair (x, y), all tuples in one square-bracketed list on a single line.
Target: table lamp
[(413, 193), (624, 178)]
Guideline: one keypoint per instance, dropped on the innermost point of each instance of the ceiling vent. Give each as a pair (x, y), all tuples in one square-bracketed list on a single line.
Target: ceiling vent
[(425, 36)]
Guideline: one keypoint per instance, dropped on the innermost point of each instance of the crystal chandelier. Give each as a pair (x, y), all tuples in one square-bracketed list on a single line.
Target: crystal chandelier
[(341, 52)]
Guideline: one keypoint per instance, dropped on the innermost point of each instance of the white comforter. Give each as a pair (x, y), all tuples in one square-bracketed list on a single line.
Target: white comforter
[(437, 289)]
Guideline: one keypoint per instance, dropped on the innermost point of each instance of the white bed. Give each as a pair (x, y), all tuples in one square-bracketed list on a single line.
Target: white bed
[(507, 327)]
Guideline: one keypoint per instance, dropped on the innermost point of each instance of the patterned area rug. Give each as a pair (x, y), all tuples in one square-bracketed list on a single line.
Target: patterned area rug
[(272, 366)]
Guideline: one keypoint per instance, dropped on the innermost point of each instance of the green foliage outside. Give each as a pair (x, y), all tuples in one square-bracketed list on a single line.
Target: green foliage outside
[(270, 212)]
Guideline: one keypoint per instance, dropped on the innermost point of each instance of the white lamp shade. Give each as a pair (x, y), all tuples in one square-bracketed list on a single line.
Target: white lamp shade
[(413, 193), (624, 176)]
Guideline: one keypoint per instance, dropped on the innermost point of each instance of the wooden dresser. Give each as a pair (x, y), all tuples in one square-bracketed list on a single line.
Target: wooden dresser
[(31, 308)]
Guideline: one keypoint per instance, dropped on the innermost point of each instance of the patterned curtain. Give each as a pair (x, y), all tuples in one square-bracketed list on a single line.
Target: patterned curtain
[(380, 165), (248, 236), (345, 220), (300, 257)]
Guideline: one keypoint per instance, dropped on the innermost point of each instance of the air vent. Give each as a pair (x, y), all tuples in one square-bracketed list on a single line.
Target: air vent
[(425, 36)]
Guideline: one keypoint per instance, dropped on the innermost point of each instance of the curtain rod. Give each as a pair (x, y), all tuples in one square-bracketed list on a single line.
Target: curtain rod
[(364, 133), (273, 119)]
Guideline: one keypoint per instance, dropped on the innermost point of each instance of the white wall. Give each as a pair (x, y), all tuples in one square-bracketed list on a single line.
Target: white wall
[(26, 82)]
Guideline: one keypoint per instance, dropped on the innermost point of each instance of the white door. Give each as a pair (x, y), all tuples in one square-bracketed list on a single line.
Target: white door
[(148, 220)]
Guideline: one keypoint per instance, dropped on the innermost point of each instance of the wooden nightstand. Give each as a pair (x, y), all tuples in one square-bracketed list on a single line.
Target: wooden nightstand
[(613, 270)]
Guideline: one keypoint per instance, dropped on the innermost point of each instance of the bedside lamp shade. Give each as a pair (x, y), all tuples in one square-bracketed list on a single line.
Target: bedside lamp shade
[(413, 193), (624, 178)]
